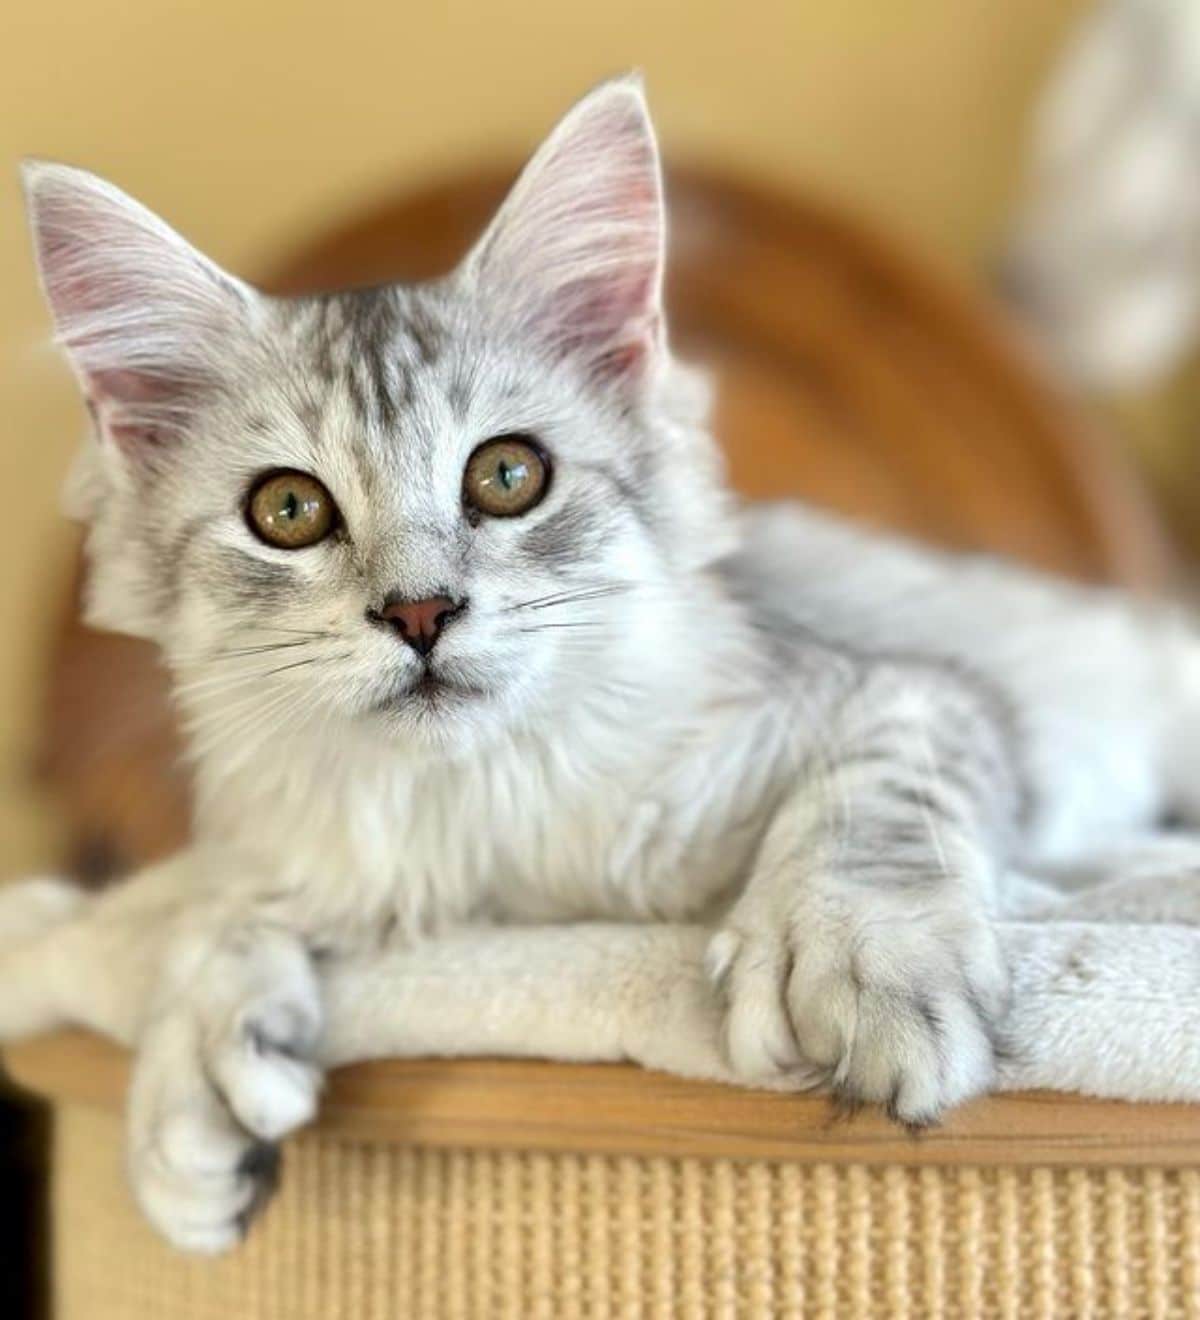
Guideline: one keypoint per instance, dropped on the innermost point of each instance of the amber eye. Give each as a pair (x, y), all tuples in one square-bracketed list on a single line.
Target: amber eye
[(291, 510), (505, 477)]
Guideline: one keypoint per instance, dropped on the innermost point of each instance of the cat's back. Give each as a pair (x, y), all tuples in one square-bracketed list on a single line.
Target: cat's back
[(803, 574)]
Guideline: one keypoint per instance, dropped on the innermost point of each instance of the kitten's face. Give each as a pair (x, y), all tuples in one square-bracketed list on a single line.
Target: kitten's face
[(560, 556), (385, 408)]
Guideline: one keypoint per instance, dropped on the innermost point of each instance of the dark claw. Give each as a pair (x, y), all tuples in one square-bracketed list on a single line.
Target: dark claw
[(260, 1164), (843, 1105)]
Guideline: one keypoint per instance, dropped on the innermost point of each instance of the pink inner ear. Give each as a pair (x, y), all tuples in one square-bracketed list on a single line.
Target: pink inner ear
[(145, 319), (576, 251), (130, 408), (615, 307)]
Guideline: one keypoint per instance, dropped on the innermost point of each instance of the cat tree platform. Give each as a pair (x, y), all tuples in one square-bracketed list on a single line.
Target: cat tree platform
[(497, 1188)]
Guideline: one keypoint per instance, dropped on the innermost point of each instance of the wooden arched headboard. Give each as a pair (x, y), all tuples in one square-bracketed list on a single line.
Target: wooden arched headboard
[(851, 374)]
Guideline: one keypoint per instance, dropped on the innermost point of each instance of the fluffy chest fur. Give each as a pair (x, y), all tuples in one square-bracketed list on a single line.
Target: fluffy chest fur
[(656, 821)]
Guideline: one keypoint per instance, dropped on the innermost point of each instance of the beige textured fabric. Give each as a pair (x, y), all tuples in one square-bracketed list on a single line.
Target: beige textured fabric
[(371, 1232)]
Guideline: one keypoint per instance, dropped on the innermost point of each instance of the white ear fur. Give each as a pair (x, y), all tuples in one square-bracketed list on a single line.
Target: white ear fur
[(576, 251), (144, 318)]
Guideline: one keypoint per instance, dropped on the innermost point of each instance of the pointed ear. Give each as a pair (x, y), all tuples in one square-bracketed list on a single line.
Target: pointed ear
[(145, 319), (576, 251)]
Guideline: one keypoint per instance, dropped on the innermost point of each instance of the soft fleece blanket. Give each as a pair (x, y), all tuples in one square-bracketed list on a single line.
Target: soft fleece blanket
[(1106, 987)]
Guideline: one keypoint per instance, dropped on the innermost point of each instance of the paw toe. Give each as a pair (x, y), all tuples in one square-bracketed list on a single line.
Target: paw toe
[(209, 1211), (271, 1095), (263, 1069), (758, 1037)]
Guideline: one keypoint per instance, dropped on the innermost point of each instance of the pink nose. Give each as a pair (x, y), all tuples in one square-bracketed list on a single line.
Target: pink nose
[(420, 622)]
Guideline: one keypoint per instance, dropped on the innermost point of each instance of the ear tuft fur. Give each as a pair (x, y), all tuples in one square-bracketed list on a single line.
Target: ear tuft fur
[(576, 251), (144, 318)]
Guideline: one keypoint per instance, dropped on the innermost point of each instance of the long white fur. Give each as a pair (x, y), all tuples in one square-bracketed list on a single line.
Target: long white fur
[(129, 295), (585, 219), (681, 748)]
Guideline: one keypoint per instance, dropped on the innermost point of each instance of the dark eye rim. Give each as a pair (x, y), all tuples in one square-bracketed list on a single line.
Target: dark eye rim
[(336, 525), (474, 513)]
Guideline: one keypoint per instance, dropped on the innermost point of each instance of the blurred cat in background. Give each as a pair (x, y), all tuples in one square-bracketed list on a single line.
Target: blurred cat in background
[(1102, 262)]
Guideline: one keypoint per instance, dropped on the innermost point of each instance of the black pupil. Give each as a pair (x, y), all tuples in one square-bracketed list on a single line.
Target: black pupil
[(291, 505), (511, 474)]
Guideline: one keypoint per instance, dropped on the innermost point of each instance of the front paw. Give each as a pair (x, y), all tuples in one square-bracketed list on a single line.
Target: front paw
[(881, 1004), (218, 1080)]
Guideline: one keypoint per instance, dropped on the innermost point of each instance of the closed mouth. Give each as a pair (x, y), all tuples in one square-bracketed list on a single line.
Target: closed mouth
[(430, 689)]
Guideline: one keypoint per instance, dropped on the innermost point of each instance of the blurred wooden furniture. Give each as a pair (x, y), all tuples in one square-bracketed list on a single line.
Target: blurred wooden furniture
[(855, 375)]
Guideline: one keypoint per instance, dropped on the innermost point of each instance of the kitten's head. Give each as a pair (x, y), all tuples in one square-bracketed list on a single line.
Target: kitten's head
[(437, 511)]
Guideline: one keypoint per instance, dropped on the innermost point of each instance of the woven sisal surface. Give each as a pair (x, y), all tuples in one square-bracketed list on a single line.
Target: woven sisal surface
[(372, 1232)]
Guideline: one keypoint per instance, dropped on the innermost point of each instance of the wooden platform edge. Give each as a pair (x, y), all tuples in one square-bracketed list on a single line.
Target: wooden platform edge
[(617, 1109)]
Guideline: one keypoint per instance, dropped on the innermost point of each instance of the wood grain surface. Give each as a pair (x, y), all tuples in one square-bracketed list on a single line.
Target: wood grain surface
[(506, 1105)]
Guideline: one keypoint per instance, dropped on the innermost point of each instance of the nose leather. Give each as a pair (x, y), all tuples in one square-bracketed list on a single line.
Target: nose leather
[(420, 622)]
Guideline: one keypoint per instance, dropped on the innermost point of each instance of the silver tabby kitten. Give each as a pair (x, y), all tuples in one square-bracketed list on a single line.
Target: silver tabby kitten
[(464, 628)]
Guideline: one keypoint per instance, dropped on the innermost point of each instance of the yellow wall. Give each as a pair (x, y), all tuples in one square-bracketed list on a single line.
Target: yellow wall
[(249, 122)]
